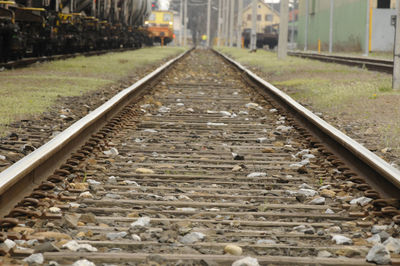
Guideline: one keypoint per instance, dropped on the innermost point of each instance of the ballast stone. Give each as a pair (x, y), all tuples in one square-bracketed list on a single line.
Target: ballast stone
[(378, 254), (247, 261)]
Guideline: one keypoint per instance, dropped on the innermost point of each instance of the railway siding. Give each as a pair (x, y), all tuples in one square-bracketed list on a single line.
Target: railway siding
[(203, 170)]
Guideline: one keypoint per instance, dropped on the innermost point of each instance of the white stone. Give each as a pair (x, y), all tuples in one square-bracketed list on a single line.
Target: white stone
[(247, 261), (378, 254), (318, 201), (341, 240), (75, 246), (164, 109), (111, 152), (186, 209), (93, 182), (136, 238), (375, 239), (273, 110), (2, 157), (133, 183), (54, 209), (9, 243), (362, 201), (83, 262), (378, 228), (35, 258), (393, 245), (74, 205), (253, 106), (215, 124), (141, 222), (265, 242), (329, 211), (144, 171), (305, 186), (150, 130), (307, 192), (256, 174), (225, 113), (86, 195), (118, 235), (192, 238), (324, 254)]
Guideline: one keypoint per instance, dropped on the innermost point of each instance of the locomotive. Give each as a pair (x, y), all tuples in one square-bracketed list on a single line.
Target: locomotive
[(46, 27), (160, 25)]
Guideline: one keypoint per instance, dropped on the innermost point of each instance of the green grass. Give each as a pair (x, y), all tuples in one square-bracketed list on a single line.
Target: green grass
[(349, 94), (32, 90)]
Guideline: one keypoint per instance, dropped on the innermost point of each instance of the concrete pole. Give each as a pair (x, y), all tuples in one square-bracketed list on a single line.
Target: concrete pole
[(181, 23), (185, 19), (208, 22), (366, 48), (293, 20), (219, 22), (231, 22), (226, 22), (396, 56), (283, 29), (93, 8), (306, 27), (239, 24), (253, 37), (331, 26)]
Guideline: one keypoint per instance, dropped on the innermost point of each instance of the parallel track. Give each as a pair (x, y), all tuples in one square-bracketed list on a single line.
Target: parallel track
[(380, 65), (32, 60), (193, 168)]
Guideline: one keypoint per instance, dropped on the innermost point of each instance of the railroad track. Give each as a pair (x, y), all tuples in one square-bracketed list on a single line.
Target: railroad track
[(193, 165), (32, 60), (380, 65)]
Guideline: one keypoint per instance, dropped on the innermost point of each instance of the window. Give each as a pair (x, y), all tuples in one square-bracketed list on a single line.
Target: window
[(383, 3), (269, 17), (152, 17), (258, 17), (167, 17)]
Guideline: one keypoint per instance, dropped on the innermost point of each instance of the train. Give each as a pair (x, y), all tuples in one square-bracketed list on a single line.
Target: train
[(160, 26), (46, 27)]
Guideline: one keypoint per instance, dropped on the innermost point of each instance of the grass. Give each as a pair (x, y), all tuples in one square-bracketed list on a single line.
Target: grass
[(32, 90), (349, 94)]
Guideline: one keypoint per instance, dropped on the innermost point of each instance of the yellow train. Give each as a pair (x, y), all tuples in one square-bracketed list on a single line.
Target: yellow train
[(160, 24)]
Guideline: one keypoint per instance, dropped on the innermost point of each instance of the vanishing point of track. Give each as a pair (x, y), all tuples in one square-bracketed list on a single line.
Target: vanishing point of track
[(201, 169)]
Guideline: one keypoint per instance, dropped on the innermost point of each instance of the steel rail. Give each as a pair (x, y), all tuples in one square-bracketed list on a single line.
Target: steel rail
[(17, 180), (380, 65), (378, 173)]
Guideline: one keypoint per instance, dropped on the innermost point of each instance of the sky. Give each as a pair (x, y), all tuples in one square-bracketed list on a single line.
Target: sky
[(164, 4)]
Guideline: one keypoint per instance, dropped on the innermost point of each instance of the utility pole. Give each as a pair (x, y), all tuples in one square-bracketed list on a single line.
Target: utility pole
[(208, 22), (396, 57), (239, 24), (253, 37), (185, 24), (306, 28), (226, 22), (231, 22), (331, 26), (292, 25), (366, 46), (283, 29), (219, 22), (181, 23)]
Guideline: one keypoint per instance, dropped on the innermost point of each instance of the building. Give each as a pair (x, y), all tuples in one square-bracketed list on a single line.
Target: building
[(352, 30), (266, 16)]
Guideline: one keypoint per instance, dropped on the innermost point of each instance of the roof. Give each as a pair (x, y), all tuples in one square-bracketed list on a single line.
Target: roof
[(265, 4)]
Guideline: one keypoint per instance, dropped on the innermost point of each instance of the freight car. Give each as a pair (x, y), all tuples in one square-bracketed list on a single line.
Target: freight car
[(45, 27), (160, 25), (267, 38)]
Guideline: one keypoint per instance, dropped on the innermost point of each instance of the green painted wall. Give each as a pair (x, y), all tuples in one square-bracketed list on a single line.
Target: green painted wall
[(348, 24)]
